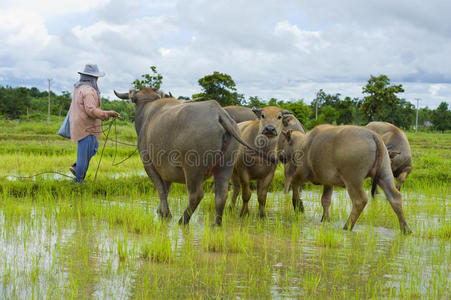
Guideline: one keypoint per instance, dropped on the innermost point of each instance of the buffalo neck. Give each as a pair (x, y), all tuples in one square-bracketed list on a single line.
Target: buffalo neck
[(140, 115)]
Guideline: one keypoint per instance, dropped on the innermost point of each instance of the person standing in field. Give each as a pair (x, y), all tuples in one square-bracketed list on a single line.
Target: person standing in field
[(85, 119)]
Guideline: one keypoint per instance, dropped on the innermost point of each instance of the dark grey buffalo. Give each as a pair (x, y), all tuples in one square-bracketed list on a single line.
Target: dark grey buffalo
[(185, 143)]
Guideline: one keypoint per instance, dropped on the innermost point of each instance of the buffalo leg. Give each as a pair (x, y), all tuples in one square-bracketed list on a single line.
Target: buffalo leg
[(245, 194), (296, 199), (359, 200), (394, 197), (235, 189), (163, 188), (221, 176), (194, 185), (262, 191), (401, 178), (325, 202)]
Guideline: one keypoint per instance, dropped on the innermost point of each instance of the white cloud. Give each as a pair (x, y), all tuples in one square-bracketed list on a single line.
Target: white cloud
[(287, 50)]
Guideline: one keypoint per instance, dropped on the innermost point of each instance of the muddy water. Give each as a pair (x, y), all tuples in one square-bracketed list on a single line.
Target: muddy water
[(67, 248)]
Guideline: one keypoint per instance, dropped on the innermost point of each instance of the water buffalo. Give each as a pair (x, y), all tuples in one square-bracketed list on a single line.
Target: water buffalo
[(241, 114), (398, 148), (185, 143), (263, 134), (342, 156)]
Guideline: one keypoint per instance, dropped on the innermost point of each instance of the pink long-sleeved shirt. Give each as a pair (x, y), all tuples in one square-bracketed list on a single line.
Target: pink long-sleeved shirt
[(85, 113)]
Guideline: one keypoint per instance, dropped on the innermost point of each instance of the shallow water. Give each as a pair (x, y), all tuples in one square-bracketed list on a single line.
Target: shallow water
[(93, 247)]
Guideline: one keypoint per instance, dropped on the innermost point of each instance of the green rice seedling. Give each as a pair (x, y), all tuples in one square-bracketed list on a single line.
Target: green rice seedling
[(327, 236), (213, 239), (159, 248), (239, 241), (310, 283), (441, 231)]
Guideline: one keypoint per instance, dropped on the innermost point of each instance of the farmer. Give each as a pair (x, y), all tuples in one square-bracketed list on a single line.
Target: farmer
[(85, 119)]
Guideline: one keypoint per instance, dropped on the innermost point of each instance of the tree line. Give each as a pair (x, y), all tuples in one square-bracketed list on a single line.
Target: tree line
[(380, 102)]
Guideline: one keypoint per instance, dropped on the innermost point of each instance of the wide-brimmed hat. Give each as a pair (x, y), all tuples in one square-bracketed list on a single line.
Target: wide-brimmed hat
[(92, 70)]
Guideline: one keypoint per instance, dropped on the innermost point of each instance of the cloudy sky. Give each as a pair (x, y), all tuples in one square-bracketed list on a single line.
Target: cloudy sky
[(283, 49)]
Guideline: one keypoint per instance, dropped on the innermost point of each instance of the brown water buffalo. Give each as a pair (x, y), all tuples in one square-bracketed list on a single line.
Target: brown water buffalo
[(264, 135), (185, 143), (290, 122), (342, 156), (398, 148)]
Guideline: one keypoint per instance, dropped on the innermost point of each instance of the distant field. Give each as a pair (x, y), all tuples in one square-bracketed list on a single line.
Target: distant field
[(104, 239)]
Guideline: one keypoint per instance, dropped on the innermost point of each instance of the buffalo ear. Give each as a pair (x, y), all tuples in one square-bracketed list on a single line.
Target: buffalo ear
[(287, 116), (286, 119), (257, 111), (393, 154)]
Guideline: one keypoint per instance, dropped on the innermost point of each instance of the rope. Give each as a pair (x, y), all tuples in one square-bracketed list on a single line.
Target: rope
[(42, 173), (114, 163)]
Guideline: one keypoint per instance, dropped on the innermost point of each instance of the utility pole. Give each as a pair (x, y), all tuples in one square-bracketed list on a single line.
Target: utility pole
[(316, 109), (416, 120), (48, 117)]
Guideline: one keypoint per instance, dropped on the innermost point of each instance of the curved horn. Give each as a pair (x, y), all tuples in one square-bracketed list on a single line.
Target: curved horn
[(286, 112), (122, 95)]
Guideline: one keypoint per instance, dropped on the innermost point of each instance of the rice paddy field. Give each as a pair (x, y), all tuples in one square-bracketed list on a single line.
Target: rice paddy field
[(104, 239)]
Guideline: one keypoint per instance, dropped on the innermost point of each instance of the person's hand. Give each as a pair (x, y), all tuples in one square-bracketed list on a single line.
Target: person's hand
[(112, 113)]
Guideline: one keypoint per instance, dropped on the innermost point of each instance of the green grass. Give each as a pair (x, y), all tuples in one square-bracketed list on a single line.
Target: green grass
[(104, 239)]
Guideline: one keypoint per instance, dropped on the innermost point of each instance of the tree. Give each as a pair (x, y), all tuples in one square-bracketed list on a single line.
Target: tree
[(154, 81), (62, 104), (329, 114), (346, 111), (425, 117), (255, 101), (441, 117), (14, 101), (220, 87), (380, 94)]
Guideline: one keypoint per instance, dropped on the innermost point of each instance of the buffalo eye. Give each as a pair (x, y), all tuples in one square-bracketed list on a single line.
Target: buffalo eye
[(279, 117), (263, 116)]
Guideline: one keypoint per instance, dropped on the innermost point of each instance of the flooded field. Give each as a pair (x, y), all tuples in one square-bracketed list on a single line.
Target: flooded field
[(81, 246), (105, 240)]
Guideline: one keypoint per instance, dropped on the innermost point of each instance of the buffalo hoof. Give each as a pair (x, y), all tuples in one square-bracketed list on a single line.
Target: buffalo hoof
[(244, 213), (406, 230), (218, 221), (327, 219), (164, 214), (184, 220), (300, 208)]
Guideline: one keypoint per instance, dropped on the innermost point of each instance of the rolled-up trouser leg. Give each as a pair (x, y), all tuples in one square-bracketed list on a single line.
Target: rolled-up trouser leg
[(87, 148)]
